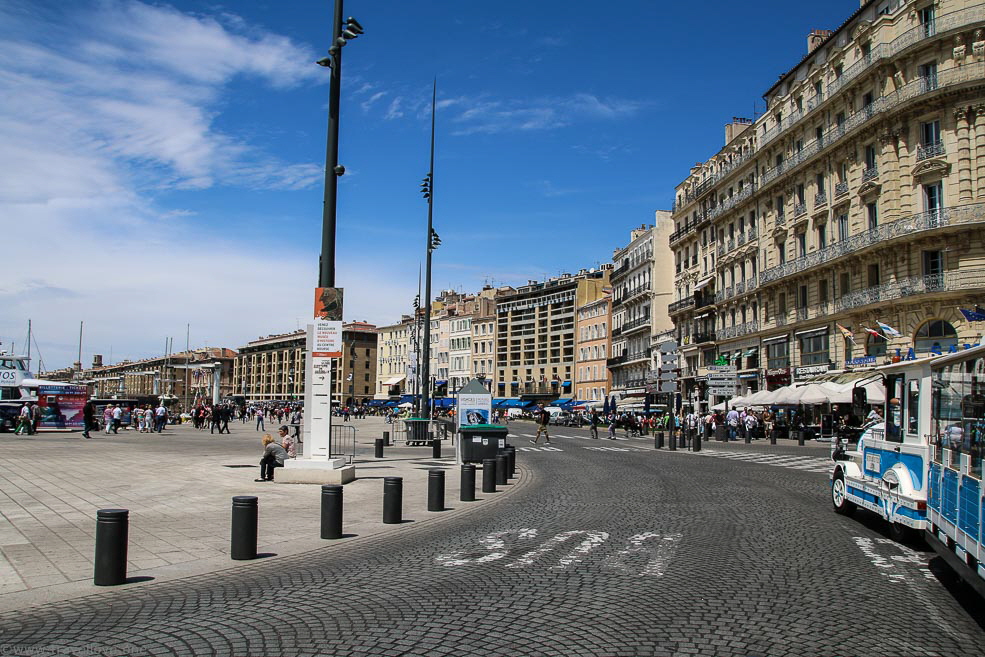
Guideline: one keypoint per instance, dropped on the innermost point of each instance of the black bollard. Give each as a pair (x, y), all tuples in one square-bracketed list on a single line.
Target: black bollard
[(672, 442), (696, 443), (243, 538), (800, 438), (468, 483), (435, 448), (682, 438), (436, 490), (393, 500), (772, 436), (502, 463), (658, 442), (378, 445), (331, 511), (748, 434), (112, 533), (511, 461), (488, 475), (386, 438)]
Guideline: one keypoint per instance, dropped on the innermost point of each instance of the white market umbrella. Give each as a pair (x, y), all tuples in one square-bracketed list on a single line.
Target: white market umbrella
[(758, 398), (813, 394), (406, 405), (786, 395)]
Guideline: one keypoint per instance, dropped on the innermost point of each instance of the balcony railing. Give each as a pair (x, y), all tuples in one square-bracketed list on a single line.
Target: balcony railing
[(841, 189), (820, 199), (870, 173), (737, 331), (634, 324), (781, 319), (701, 302), (781, 218), (916, 223), (629, 294), (643, 354), (952, 281), (799, 209), (924, 151), (698, 338), (801, 314), (732, 201), (618, 360), (724, 294), (678, 306)]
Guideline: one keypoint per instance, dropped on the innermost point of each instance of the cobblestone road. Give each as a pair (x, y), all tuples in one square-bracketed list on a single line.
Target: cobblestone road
[(600, 553)]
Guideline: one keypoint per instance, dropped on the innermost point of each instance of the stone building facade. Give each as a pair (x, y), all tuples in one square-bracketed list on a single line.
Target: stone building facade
[(858, 197)]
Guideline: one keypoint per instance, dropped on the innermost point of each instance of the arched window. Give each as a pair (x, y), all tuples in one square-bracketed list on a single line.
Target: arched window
[(935, 335), (875, 346)]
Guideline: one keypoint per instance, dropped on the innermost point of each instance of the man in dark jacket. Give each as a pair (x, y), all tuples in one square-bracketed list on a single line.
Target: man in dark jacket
[(88, 418)]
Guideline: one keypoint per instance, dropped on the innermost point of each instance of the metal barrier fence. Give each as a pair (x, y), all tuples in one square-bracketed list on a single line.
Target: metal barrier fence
[(343, 443)]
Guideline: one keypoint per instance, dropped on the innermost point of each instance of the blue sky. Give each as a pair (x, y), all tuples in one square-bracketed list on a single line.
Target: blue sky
[(163, 161)]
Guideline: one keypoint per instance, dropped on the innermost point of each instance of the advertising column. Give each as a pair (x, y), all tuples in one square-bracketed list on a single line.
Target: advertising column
[(324, 342)]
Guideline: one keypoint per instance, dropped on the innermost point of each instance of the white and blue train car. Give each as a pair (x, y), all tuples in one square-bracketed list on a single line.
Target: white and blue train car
[(921, 469), (887, 472)]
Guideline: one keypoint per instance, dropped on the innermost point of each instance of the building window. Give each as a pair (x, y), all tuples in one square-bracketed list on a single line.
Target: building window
[(933, 197), (933, 263), (778, 354), (822, 290), (875, 346), (873, 275), (842, 227), (801, 244), (802, 301), (814, 350), (781, 253), (935, 336), (872, 213), (822, 236), (844, 283)]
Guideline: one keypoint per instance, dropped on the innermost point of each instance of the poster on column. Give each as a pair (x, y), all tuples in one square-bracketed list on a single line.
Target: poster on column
[(474, 404), (328, 340)]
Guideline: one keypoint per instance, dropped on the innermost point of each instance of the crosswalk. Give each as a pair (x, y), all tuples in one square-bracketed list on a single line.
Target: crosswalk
[(805, 463)]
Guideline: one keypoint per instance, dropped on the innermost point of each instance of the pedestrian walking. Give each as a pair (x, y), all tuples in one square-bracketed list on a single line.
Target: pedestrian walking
[(161, 417), (117, 418), (88, 418), (24, 420), (612, 426), (593, 424), (260, 419), (543, 419)]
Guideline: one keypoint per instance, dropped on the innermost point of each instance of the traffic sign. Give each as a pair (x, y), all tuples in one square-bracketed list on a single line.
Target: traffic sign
[(722, 392)]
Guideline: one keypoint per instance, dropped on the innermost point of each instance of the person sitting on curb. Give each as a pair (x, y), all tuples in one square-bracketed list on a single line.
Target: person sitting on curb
[(273, 457), (287, 442)]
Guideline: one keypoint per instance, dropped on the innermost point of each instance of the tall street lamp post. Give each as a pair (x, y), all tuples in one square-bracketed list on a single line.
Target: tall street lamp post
[(427, 189), (342, 32)]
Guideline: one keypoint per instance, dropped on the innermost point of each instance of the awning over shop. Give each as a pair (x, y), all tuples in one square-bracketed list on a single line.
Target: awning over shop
[(513, 403), (703, 284), (376, 402), (440, 382), (444, 402), (751, 352), (394, 380)]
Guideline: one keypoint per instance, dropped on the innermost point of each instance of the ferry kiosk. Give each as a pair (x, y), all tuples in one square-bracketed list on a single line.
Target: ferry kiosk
[(921, 469)]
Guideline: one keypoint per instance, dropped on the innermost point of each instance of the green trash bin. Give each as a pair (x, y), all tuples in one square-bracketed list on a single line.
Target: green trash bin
[(481, 441), (417, 431)]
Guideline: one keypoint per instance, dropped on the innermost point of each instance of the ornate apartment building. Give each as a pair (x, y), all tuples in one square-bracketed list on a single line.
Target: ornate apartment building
[(642, 285), (858, 197), (535, 334), (187, 376)]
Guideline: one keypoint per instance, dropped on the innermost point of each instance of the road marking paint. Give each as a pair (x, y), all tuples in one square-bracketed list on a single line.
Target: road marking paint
[(491, 542)]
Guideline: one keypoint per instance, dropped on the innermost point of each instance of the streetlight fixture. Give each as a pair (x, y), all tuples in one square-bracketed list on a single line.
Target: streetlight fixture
[(342, 33), (427, 190)]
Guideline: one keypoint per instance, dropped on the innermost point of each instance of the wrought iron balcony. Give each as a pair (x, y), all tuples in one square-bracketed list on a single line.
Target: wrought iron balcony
[(699, 338), (678, 306), (952, 281), (701, 302), (781, 218), (801, 314), (916, 223), (799, 209), (870, 173), (820, 199), (724, 294), (935, 149), (781, 319), (841, 189), (634, 324), (618, 360), (737, 331), (643, 354)]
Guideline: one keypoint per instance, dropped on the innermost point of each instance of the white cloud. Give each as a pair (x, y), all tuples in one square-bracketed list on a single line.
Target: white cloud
[(101, 109)]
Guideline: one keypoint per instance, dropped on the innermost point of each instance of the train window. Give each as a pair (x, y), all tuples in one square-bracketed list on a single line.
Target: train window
[(913, 408)]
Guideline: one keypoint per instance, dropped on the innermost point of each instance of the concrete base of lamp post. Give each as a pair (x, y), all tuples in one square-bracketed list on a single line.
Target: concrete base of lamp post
[(308, 471)]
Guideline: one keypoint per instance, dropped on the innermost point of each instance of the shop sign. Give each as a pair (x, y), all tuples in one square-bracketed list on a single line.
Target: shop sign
[(862, 361), (808, 371), (749, 375)]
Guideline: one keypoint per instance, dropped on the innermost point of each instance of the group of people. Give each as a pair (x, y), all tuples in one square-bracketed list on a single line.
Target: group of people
[(143, 419), (274, 453), (29, 419)]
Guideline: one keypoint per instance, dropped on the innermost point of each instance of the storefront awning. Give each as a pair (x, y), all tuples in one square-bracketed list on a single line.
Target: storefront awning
[(812, 332), (776, 338), (394, 381), (751, 352), (702, 284)]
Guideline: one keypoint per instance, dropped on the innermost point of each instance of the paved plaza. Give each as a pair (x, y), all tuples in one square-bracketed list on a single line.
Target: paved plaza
[(178, 487), (600, 548)]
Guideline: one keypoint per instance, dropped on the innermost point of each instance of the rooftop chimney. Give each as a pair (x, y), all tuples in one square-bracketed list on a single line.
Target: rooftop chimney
[(816, 38), (97, 360)]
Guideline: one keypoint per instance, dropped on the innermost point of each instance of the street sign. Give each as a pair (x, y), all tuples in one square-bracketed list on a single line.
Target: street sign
[(668, 386), (721, 392), (722, 368), (668, 347)]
